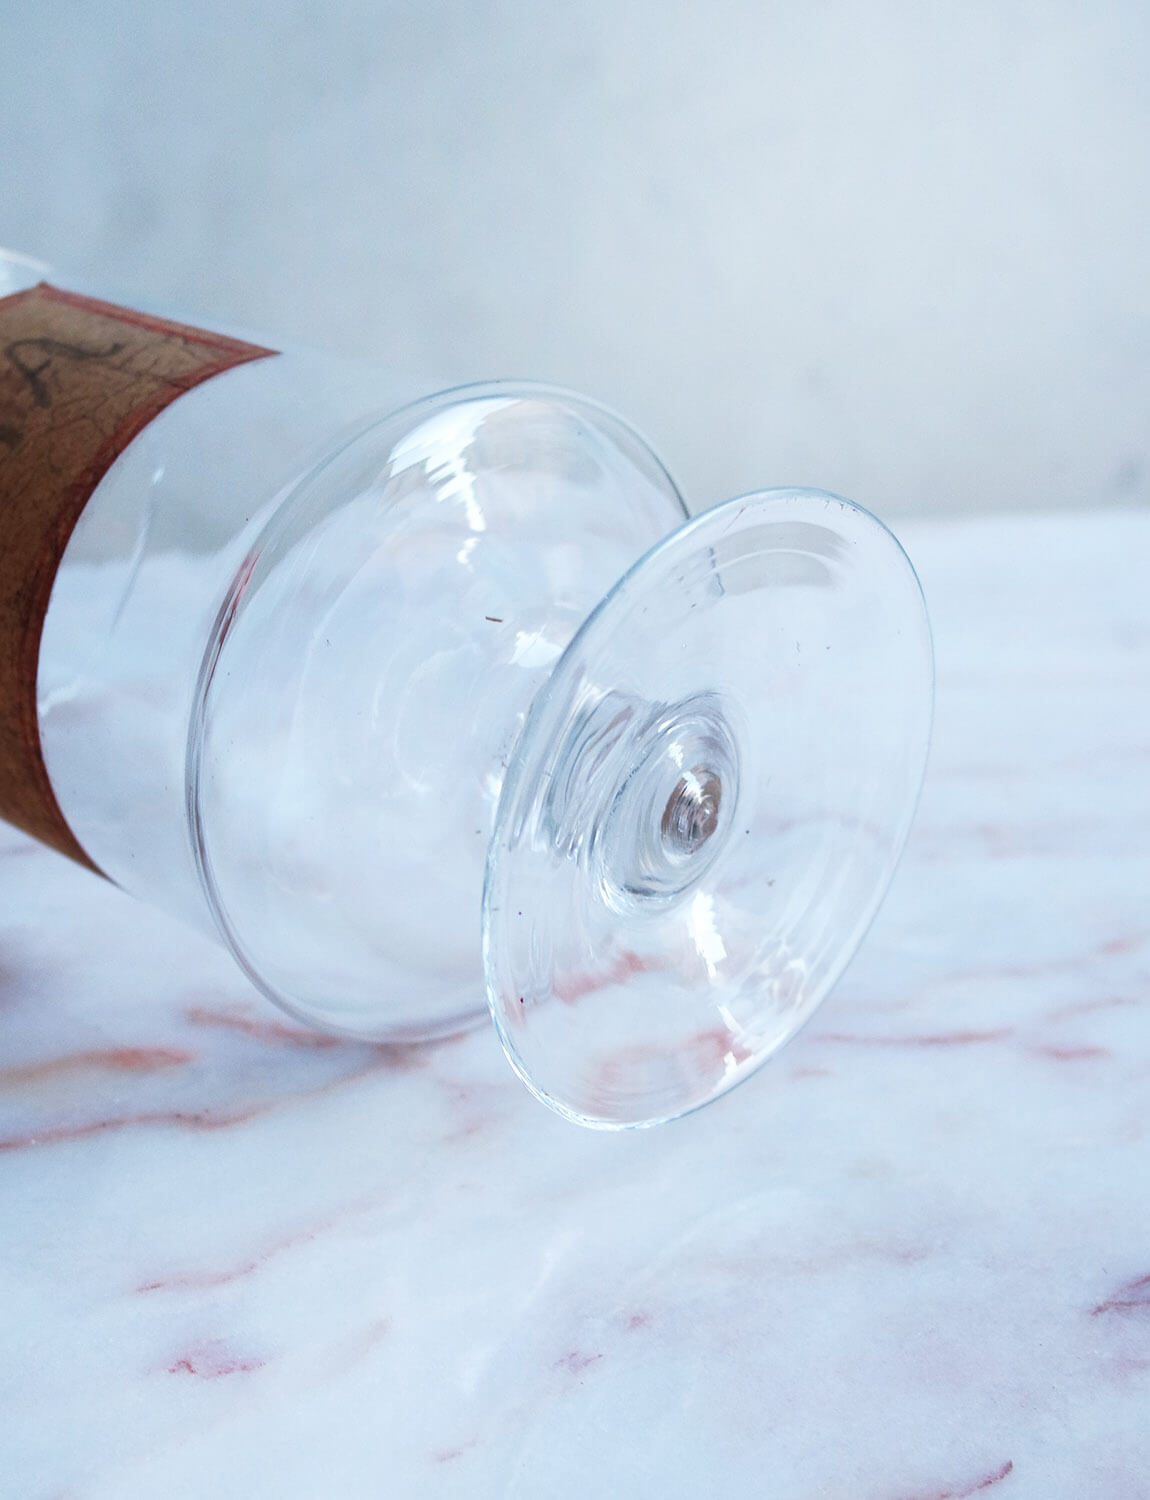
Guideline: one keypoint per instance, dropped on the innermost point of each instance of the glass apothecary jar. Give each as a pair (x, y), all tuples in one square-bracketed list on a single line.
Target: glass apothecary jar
[(426, 704)]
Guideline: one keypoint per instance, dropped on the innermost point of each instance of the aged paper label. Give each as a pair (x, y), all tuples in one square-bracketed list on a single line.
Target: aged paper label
[(79, 380)]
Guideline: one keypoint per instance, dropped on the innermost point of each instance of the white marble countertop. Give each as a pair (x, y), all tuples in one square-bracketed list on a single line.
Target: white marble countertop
[(910, 1260)]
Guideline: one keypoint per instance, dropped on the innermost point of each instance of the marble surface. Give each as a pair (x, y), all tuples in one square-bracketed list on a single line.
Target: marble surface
[(910, 1260)]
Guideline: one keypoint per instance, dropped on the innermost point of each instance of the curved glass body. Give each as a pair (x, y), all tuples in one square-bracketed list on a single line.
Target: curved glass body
[(368, 677)]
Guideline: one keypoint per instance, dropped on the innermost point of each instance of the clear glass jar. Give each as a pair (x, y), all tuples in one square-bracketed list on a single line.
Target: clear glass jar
[(410, 697)]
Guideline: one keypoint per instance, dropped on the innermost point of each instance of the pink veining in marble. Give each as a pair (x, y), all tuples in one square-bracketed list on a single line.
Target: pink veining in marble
[(965, 1491), (212, 1359), (1134, 1297)]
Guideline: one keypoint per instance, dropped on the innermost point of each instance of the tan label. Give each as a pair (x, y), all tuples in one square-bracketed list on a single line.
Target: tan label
[(78, 381)]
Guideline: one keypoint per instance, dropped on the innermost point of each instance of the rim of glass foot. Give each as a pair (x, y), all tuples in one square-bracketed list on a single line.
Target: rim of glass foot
[(706, 806)]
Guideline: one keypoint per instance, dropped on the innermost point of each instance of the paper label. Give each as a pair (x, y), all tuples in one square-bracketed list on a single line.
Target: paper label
[(79, 380)]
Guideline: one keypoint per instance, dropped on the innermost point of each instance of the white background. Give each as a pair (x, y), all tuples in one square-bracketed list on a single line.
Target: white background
[(900, 250)]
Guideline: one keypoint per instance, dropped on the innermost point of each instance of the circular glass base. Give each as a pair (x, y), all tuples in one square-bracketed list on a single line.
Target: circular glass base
[(705, 807)]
